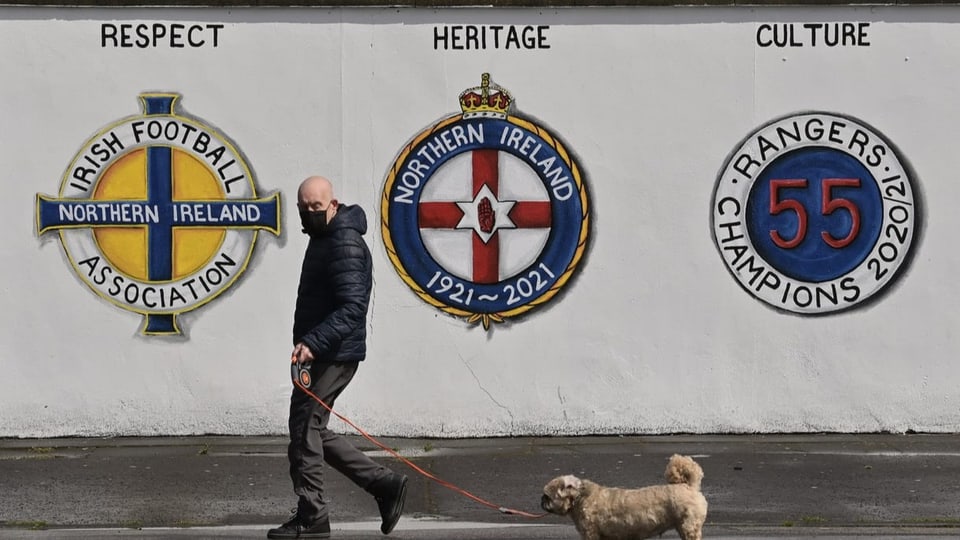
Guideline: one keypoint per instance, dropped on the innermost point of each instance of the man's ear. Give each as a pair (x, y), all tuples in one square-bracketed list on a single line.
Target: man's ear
[(332, 209)]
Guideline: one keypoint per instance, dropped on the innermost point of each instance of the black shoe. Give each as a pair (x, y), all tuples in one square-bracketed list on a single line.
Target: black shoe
[(295, 529), (390, 492)]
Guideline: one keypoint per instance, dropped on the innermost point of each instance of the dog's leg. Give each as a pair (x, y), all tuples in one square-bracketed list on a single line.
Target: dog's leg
[(590, 533), (690, 530)]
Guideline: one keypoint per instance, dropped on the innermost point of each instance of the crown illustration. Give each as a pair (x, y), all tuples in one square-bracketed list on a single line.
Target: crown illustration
[(489, 100)]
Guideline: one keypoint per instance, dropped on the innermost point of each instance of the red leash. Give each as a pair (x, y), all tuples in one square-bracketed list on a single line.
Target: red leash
[(301, 379)]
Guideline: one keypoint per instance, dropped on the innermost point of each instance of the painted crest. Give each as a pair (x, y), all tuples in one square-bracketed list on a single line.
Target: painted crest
[(158, 214), (814, 213), (485, 214)]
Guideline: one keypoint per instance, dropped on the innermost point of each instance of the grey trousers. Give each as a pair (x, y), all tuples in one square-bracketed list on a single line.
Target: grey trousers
[(311, 443)]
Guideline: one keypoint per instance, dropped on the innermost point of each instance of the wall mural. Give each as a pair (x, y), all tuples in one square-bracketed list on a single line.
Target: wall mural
[(485, 213), (158, 213), (815, 213)]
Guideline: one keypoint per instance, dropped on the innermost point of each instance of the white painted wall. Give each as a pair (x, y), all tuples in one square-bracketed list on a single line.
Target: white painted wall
[(652, 336)]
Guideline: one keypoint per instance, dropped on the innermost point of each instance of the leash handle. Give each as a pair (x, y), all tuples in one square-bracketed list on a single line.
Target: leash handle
[(300, 373)]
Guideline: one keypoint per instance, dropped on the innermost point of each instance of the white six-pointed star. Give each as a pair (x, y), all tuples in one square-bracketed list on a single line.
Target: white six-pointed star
[(472, 219)]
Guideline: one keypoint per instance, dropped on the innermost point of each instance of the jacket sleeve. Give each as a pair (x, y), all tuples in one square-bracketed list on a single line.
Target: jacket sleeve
[(350, 280)]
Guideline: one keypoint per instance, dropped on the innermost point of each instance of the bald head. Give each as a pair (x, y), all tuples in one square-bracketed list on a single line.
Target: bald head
[(314, 188), (316, 194)]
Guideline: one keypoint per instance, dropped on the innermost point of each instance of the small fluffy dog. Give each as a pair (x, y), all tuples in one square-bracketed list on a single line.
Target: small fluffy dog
[(607, 513)]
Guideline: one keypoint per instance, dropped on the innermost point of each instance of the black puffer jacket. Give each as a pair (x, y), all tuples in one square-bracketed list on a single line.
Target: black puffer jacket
[(334, 291)]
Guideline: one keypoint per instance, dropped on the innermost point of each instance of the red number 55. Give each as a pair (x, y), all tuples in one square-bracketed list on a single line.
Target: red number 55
[(828, 205)]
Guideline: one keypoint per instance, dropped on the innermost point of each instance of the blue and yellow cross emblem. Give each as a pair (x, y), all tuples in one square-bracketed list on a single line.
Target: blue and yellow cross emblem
[(158, 213)]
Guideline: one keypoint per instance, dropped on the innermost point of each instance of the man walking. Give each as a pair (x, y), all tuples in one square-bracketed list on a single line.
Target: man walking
[(329, 335)]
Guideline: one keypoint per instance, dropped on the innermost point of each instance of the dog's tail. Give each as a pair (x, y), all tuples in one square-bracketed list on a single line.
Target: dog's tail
[(683, 470)]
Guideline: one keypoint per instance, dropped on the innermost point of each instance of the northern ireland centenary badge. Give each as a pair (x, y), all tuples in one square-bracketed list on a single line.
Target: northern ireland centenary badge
[(485, 214)]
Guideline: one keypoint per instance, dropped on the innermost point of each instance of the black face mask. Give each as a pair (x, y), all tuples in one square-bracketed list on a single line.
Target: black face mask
[(313, 223)]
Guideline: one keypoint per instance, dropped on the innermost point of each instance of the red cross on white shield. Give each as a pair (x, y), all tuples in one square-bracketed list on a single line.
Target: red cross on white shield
[(482, 217)]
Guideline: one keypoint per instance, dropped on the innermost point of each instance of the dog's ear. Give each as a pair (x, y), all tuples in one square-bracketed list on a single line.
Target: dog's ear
[(571, 485)]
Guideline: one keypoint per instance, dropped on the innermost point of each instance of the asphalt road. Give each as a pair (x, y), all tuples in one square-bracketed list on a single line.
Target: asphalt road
[(412, 530), (784, 486)]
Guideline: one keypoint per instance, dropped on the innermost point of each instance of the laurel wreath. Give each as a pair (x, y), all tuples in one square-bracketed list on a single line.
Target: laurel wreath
[(485, 318)]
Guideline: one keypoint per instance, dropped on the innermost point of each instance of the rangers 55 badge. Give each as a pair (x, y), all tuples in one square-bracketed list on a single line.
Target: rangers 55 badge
[(485, 213), (814, 213), (158, 213)]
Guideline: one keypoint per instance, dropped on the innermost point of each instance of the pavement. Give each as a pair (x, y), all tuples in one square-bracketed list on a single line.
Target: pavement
[(833, 486)]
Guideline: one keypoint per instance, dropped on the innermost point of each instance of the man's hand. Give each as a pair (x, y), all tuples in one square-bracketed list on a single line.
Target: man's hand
[(302, 353)]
